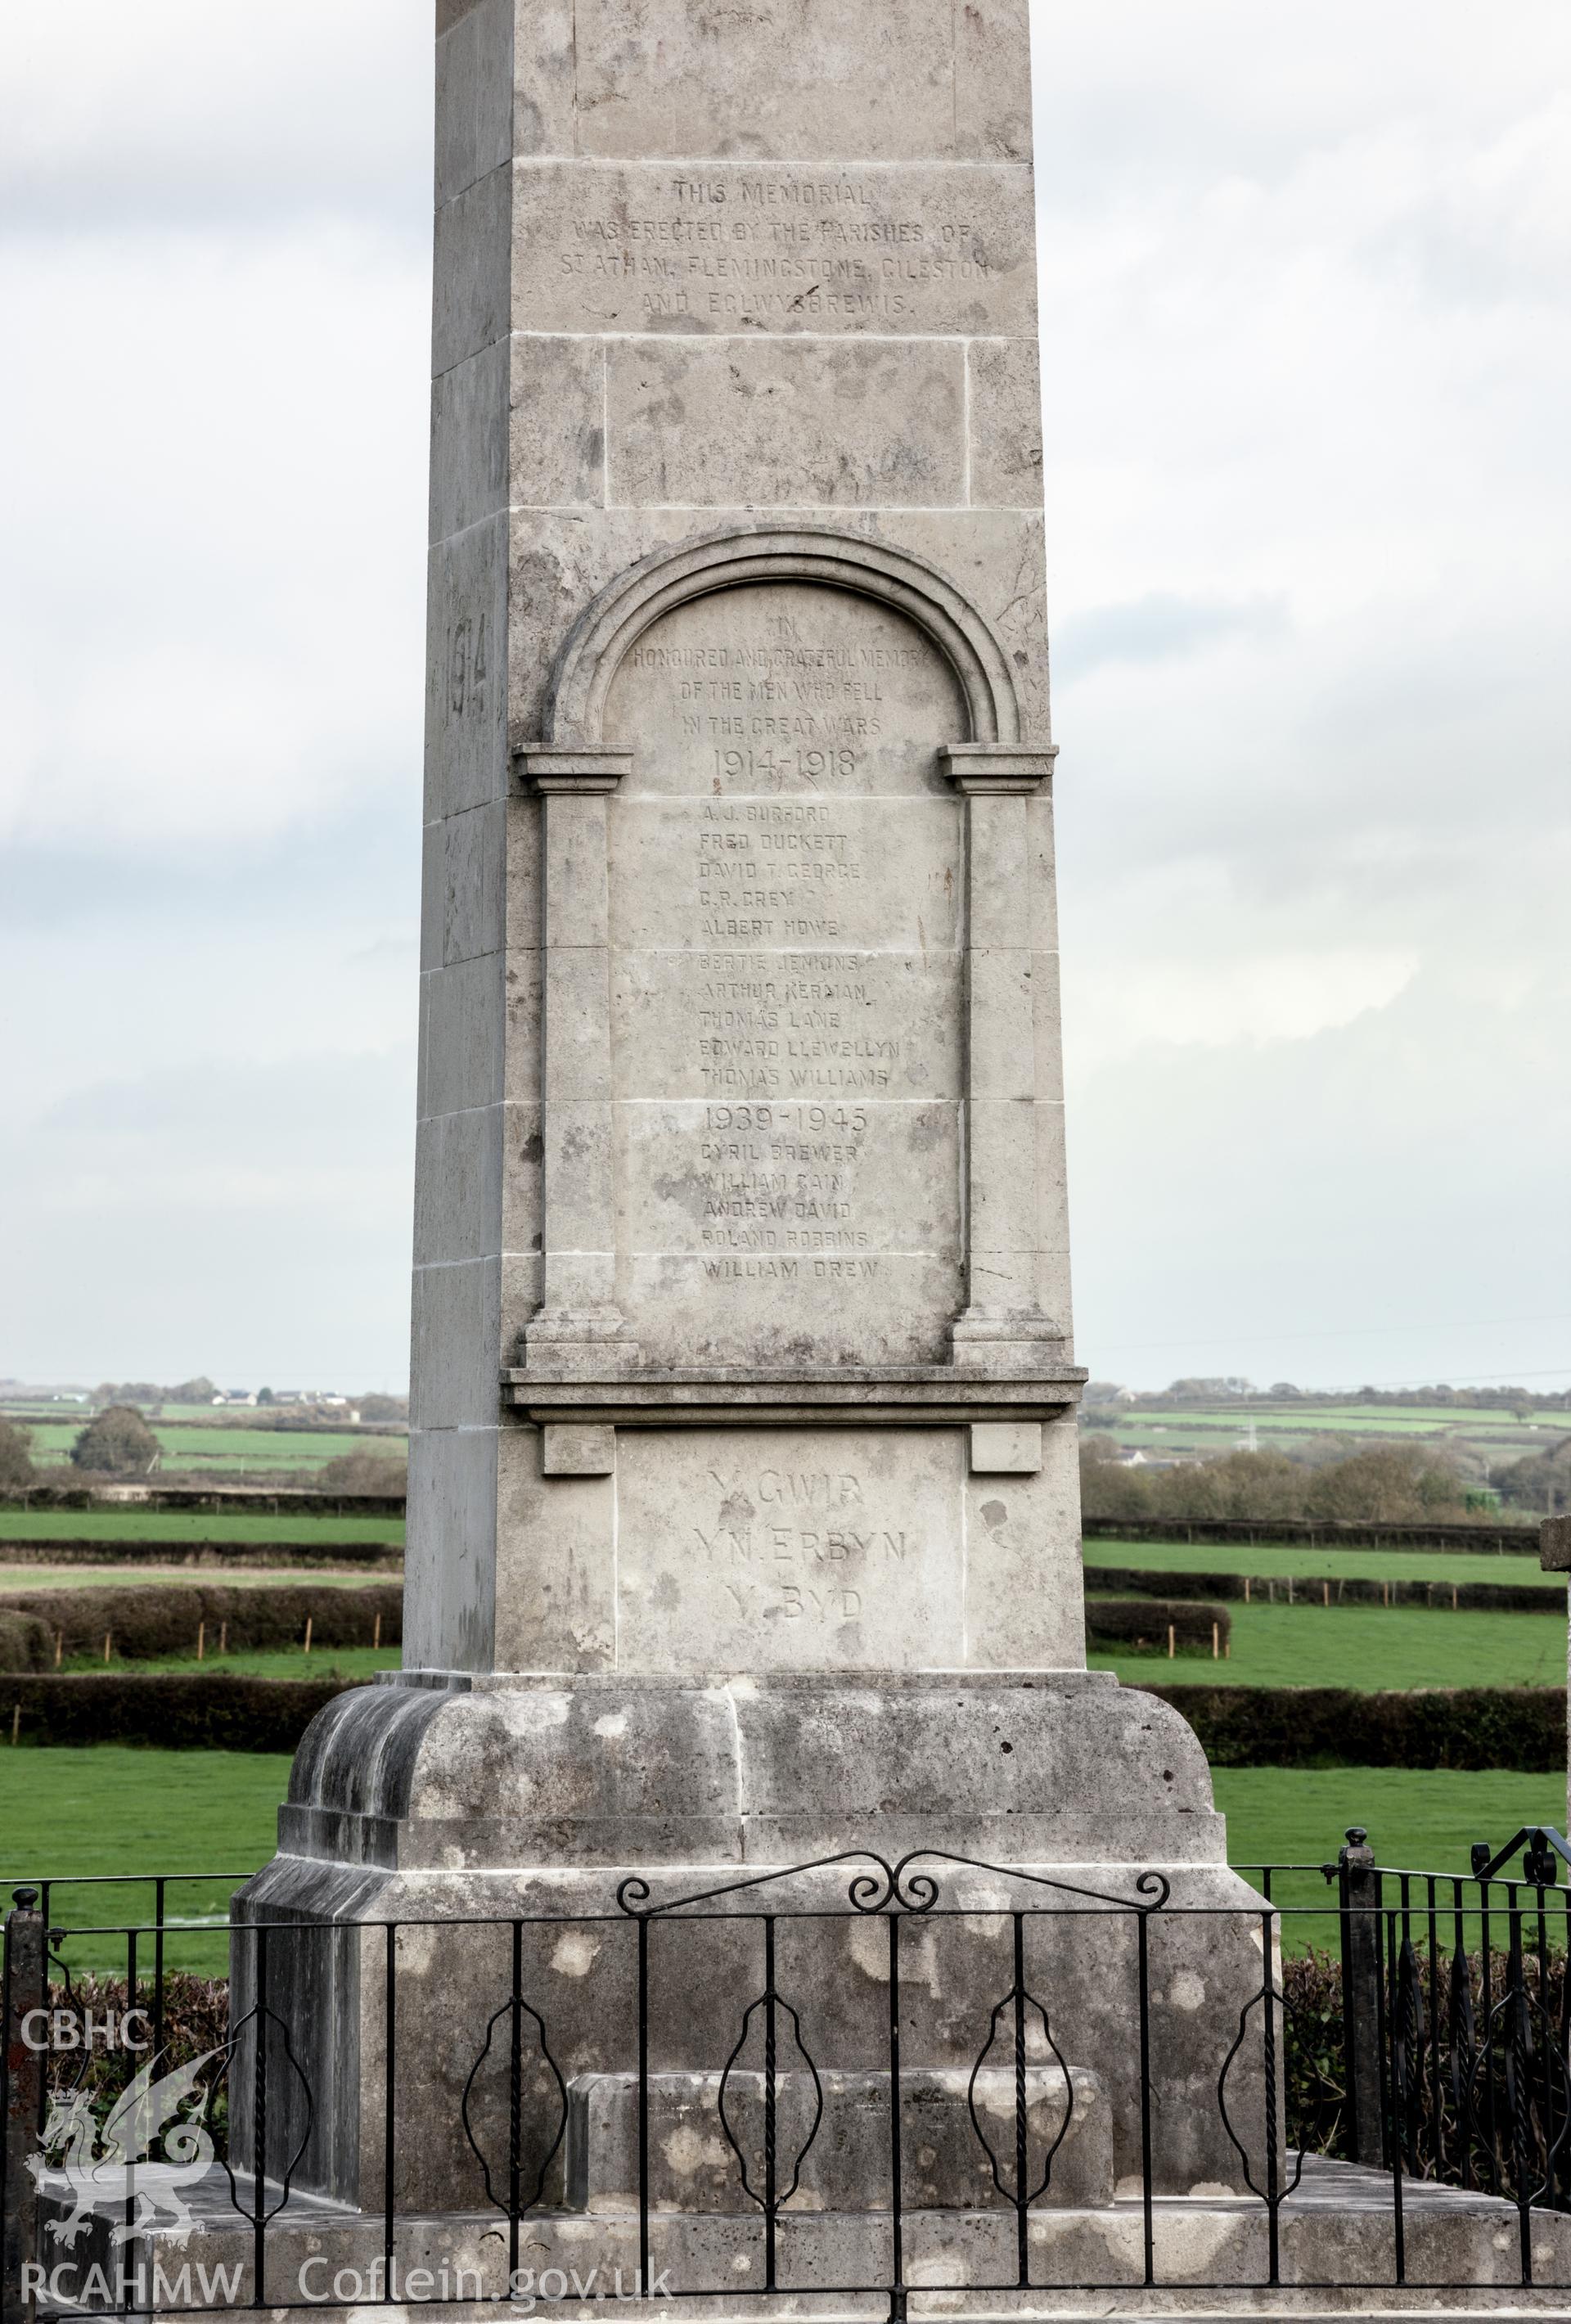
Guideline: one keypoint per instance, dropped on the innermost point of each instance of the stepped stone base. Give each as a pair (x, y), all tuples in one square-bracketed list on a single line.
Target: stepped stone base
[(1211, 2259), (435, 1771), (462, 1806)]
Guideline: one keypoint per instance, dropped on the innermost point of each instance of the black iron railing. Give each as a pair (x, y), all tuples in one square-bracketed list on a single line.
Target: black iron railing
[(756, 2019)]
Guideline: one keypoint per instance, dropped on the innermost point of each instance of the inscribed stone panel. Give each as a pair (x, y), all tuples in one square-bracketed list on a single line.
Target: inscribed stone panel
[(745, 247), (785, 926), (789, 1549)]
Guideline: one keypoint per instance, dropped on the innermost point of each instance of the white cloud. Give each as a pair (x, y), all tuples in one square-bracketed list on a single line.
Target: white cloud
[(1308, 353), (243, 1218), (1216, 1005), (214, 633), (197, 111), (1307, 358)]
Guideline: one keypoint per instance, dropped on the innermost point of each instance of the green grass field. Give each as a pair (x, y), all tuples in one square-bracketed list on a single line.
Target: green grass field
[(1359, 1420), (1415, 1820), (1364, 1648), (111, 1810), (351, 1663), (1228, 1425), (1367, 1647), (244, 1577), (191, 1525), (225, 1449), (1332, 1564)]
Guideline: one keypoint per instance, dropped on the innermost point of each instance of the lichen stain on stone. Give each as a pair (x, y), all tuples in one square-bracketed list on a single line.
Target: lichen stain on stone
[(1186, 1991), (869, 1947), (688, 2151), (576, 1953)]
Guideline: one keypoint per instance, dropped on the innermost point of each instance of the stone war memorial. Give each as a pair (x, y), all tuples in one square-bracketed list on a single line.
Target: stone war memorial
[(744, 1900)]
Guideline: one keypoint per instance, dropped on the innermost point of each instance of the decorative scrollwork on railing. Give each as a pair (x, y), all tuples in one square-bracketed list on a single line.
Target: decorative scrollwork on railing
[(885, 1887), (917, 1891), (264, 2095), (873, 1892), (772, 2194), (544, 2073), (1020, 2005), (1272, 2002), (870, 1892), (1462, 2025), (1519, 2095), (1409, 2045)]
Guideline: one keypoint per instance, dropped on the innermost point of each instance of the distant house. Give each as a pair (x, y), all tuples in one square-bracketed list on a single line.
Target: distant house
[(236, 1396)]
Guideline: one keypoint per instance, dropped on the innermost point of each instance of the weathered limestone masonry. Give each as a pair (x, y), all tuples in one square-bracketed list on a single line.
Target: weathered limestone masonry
[(743, 1526)]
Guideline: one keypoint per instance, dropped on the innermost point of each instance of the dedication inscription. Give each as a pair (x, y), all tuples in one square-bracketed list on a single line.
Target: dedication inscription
[(785, 924), (789, 1549), (737, 246)]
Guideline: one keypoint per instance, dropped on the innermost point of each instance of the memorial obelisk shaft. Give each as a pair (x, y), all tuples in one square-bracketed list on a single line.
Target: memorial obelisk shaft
[(743, 1522), (739, 1081)]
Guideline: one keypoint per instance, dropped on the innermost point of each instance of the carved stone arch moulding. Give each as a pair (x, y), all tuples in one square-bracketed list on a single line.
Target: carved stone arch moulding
[(587, 666), (1005, 1143)]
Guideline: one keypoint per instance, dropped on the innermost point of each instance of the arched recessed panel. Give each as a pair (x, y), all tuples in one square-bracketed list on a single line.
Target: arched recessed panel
[(587, 669), (786, 931)]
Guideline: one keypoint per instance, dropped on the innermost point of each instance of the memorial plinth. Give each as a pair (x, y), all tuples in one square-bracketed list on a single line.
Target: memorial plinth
[(743, 1521)]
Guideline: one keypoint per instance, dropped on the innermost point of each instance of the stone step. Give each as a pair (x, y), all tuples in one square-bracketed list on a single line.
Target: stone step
[(693, 2165), (1211, 2258)]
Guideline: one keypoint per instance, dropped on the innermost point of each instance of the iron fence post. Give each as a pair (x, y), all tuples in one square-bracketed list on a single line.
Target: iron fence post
[(25, 1975), (1358, 1893)]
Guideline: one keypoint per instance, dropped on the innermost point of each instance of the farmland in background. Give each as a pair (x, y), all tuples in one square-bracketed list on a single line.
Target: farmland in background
[(1367, 1648), (354, 1666), (1477, 1435), (110, 1809), (1310, 1562), (18, 1577), (229, 1447), (131, 1524)]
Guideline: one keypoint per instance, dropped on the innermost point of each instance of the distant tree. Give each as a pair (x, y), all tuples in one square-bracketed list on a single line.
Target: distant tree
[(15, 1456), (382, 1408), (1392, 1484), (1395, 1485), (1542, 1482), (1283, 1388), (1108, 1488), (200, 1390), (118, 1442), (265, 1395), (365, 1472), (1234, 1485)]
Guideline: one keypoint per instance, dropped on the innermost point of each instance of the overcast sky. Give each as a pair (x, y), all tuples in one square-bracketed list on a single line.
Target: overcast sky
[(1308, 362)]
